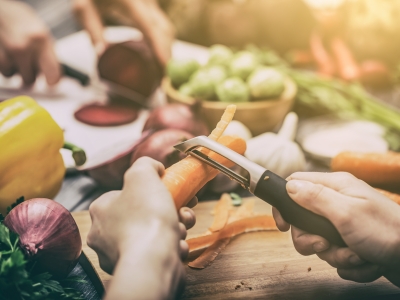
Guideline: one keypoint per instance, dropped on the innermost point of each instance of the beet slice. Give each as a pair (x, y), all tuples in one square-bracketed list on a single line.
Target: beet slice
[(133, 65), (106, 114)]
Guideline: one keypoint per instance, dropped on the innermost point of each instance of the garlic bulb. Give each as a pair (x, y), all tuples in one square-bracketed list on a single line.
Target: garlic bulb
[(239, 129), (278, 152)]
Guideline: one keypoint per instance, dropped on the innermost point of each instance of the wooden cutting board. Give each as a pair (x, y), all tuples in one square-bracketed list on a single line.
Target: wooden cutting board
[(259, 265)]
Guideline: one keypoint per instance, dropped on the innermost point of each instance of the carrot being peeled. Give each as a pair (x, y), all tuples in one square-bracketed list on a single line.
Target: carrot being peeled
[(377, 169), (185, 178)]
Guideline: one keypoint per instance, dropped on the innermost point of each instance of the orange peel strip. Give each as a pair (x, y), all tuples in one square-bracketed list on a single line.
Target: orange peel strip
[(255, 223), (244, 211), (221, 213), (208, 256)]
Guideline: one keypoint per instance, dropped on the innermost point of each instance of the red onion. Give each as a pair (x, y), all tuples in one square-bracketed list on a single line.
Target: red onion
[(159, 146), (48, 234), (109, 171), (177, 116)]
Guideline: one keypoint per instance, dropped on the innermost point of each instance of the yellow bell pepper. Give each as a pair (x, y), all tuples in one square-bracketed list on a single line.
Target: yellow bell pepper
[(31, 164)]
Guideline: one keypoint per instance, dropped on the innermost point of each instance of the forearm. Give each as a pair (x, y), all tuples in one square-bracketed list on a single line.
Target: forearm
[(146, 269)]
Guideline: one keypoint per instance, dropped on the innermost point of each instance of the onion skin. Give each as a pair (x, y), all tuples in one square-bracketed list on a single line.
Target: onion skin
[(159, 146), (176, 116), (48, 235)]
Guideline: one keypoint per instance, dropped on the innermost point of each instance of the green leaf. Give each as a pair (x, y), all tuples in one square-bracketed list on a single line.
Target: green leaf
[(236, 199), (18, 201)]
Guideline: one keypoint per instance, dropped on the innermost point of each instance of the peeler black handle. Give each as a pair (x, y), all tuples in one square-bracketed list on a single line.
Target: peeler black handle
[(272, 189)]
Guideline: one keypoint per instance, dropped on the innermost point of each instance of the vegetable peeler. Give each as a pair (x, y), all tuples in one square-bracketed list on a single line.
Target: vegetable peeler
[(264, 184)]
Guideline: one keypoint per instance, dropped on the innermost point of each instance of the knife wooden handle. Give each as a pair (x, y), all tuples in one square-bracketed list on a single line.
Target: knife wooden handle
[(272, 189)]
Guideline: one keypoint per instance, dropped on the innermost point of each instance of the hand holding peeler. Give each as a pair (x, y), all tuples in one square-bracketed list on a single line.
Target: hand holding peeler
[(264, 184)]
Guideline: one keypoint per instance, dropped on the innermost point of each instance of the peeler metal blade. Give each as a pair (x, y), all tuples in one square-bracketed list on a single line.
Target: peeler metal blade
[(253, 170)]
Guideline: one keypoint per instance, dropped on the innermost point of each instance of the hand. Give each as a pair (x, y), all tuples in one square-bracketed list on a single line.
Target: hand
[(26, 46), (137, 236), (146, 14), (368, 222)]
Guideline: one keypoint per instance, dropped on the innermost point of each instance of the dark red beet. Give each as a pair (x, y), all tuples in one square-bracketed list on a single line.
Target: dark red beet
[(133, 65), (106, 115), (177, 116), (159, 146)]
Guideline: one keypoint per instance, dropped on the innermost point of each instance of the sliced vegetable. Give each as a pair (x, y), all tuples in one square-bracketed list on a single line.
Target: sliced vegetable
[(377, 169), (226, 118), (106, 114), (244, 211), (255, 223)]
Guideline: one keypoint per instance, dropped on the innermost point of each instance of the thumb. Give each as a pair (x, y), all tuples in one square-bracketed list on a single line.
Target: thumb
[(319, 199)]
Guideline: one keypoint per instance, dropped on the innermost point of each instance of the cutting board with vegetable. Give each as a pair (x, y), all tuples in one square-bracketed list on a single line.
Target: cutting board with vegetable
[(258, 265)]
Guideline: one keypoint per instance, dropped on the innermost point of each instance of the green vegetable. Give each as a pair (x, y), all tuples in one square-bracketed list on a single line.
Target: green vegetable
[(236, 199), (220, 55), (266, 83), (233, 90), (179, 71), (217, 74), (203, 86), (16, 279), (243, 63), (186, 89)]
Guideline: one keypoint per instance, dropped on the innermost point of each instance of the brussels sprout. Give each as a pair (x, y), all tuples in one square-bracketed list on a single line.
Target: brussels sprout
[(266, 83), (217, 73), (202, 85), (179, 71), (220, 55), (186, 89), (243, 63), (233, 89)]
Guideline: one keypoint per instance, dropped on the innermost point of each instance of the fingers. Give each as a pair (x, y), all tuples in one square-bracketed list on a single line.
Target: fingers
[(364, 273), (193, 202), (308, 244), (48, 63), (24, 61), (280, 222), (142, 168), (187, 217), (183, 245), (89, 17), (321, 200), (342, 258), (7, 67), (154, 24)]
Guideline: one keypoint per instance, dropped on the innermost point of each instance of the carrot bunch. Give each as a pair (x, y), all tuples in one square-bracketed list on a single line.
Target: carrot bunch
[(228, 222)]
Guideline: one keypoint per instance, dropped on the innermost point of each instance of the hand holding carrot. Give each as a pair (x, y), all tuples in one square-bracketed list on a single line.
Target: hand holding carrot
[(137, 236), (367, 220)]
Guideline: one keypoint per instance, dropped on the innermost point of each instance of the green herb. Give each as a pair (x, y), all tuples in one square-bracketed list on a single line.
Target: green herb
[(18, 282), (236, 199), (18, 201)]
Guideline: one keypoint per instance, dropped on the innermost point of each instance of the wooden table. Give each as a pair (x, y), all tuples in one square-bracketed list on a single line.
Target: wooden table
[(260, 265)]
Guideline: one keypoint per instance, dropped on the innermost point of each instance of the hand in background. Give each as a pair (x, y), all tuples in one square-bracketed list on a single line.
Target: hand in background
[(368, 222), (146, 14), (26, 46), (137, 236)]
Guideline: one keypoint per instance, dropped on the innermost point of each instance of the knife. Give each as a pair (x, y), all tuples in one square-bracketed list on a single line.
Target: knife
[(264, 184), (112, 89)]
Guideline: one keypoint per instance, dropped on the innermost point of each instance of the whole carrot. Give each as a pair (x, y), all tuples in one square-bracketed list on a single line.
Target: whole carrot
[(377, 169), (321, 56), (348, 68)]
